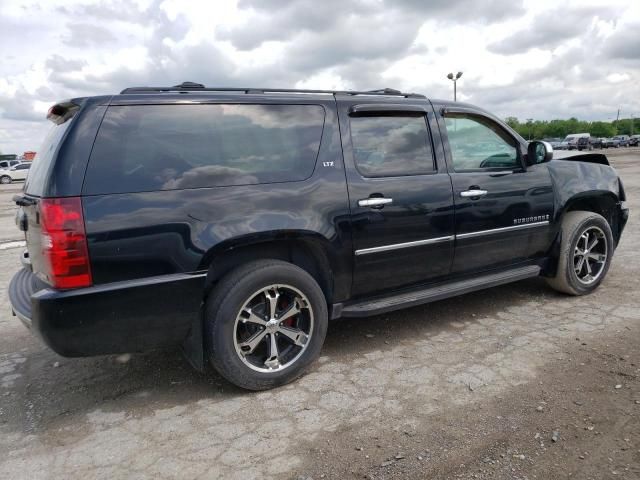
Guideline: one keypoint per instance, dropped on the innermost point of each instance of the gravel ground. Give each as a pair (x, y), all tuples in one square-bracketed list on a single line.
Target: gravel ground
[(512, 382)]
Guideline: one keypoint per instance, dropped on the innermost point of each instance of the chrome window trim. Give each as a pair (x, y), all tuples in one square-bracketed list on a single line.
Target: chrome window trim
[(522, 226), (449, 238), (396, 246)]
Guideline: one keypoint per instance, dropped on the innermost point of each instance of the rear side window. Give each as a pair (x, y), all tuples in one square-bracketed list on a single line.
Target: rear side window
[(40, 166), (391, 146), (168, 147)]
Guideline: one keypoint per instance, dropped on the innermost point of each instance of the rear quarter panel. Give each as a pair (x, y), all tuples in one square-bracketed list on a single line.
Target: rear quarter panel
[(137, 235)]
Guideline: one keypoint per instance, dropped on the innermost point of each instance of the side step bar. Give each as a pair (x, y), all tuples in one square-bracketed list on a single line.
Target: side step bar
[(439, 292)]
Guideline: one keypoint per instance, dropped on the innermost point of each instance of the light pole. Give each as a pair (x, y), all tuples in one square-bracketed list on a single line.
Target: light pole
[(454, 79)]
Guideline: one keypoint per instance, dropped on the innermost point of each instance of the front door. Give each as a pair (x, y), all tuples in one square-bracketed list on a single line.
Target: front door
[(503, 209), (401, 202)]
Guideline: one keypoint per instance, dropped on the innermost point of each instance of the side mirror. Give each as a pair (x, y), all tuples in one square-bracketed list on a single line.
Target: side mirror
[(539, 152)]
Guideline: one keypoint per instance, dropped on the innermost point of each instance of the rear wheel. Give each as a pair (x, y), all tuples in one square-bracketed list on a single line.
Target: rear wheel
[(585, 253), (265, 324), (5, 179)]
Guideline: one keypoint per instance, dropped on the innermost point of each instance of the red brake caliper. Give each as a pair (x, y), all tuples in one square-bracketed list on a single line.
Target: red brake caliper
[(289, 322)]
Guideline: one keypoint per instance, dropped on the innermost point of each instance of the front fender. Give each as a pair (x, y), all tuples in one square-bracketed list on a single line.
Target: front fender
[(575, 180)]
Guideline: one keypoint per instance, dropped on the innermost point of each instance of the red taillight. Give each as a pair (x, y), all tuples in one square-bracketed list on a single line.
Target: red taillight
[(64, 243)]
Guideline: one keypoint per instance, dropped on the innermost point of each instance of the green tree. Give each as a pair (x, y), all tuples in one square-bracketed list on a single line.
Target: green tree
[(602, 129), (560, 128), (512, 122)]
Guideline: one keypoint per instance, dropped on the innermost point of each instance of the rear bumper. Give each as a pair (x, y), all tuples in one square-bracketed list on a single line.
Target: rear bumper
[(22, 285), (119, 317)]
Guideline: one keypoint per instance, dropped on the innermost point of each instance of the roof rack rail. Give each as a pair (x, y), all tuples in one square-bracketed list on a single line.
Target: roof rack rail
[(198, 87)]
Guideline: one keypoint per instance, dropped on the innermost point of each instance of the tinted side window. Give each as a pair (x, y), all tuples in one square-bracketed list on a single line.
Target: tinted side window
[(42, 162), (24, 166), (167, 147), (478, 143), (389, 146)]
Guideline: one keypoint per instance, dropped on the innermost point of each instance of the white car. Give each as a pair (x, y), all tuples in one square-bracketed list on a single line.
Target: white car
[(17, 172), (4, 164)]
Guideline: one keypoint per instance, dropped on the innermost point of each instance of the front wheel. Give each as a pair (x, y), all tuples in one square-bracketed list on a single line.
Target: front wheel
[(265, 323), (5, 179), (585, 253)]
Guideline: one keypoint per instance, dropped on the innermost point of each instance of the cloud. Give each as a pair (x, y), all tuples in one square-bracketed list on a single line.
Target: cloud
[(58, 63), (580, 60), (625, 43), (20, 107), (456, 11), (283, 20), (82, 35), (548, 30)]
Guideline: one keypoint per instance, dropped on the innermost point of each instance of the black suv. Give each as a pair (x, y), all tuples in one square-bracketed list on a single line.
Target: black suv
[(585, 143), (237, 222)]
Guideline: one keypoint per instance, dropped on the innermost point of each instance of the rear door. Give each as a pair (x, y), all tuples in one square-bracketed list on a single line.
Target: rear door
[(400, 197)]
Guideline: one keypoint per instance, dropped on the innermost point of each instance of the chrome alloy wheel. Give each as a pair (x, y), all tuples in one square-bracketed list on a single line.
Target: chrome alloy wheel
[(273, 328), (590, 255)]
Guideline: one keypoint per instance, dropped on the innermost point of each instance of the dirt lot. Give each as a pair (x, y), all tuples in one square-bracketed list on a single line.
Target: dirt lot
[(516, 382)]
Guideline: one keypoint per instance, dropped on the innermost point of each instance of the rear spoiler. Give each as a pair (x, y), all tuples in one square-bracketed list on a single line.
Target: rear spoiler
[(588, 158), (61, 112)]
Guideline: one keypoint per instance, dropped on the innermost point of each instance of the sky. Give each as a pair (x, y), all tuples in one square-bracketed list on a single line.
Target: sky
[(538, 59)]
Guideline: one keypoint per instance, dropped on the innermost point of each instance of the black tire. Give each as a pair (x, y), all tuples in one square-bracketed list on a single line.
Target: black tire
[(5, 180), (574, 225), (224, 306)]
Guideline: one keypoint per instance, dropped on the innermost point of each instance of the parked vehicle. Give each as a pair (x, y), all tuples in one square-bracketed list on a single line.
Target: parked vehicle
[(17, 172), (555, 142), (584, 143), (596, 142), (237, 222), (571, 141), (6, 164), (634, 140), (622, 139), (610, 143)]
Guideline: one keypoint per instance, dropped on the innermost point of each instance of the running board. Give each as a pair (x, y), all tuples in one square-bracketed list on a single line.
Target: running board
[(439, 292)]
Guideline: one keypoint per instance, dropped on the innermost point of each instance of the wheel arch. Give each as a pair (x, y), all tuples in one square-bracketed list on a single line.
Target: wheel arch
[(602, 202), (308, 250)]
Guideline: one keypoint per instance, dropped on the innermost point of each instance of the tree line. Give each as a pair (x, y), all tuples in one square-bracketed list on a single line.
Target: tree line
[(537, 129)]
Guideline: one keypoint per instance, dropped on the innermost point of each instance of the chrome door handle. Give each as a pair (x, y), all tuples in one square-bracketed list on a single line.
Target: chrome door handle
[(473, 193), (375, 202)]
